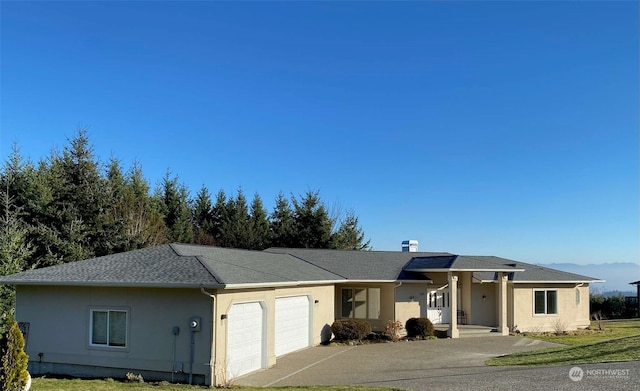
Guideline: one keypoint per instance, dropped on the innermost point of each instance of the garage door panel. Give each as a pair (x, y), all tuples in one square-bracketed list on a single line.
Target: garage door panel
[(292, 324), (245, 342)]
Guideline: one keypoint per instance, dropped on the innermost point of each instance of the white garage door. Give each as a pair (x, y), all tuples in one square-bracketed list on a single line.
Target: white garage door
[(292, 324), (245, 339)]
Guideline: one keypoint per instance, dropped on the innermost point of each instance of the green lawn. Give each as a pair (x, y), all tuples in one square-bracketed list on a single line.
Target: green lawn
[(618, 341), (46, 384)]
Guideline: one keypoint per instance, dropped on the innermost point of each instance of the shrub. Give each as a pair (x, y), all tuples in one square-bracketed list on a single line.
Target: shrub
[(419, 328), (133, 378), (350, 329), (14, 374), (393, 329)]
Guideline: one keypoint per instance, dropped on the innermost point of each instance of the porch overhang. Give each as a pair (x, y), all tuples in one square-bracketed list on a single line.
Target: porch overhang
[(446, 270)]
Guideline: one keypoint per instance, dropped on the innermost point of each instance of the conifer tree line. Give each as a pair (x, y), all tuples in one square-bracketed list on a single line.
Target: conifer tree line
[(71, 206)]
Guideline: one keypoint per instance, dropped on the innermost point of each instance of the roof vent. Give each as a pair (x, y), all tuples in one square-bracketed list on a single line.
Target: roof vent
[(410, 246)]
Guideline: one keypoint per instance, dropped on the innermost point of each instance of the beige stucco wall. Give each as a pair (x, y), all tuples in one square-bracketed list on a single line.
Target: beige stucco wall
[(570, 314), (322, 317), (411, 301), (59, 328), (484, 310)]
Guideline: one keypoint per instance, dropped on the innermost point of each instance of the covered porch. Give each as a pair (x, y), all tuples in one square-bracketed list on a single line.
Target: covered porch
[(467, 330), (468, 297)]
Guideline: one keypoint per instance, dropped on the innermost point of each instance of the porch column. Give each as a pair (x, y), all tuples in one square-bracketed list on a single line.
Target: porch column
[(453, 306), (465, 281), (503, 328)]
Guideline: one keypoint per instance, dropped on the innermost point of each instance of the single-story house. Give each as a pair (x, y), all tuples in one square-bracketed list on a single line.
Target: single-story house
[(205, 315)]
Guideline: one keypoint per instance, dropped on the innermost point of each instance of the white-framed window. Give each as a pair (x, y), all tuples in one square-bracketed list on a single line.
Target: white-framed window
[(545, 302), (108, 328), (360, 303)]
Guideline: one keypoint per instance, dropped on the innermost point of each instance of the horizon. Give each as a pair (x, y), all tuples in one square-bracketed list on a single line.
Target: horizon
[(505, 129)]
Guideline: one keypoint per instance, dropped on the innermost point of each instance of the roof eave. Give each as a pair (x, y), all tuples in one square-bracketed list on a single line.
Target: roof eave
[(386, 281), (280, 284), (556, 281), (462, 270), (119, 284)]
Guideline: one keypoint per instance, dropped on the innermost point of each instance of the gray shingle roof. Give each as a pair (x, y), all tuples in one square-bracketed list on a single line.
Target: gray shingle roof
[(461, 262), (360, 265), (536, 273), (231, 266), (154, 266), (177, 265), (184, 265)]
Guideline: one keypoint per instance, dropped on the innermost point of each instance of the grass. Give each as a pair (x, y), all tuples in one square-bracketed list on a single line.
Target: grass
[(618, 341), (50, 384)]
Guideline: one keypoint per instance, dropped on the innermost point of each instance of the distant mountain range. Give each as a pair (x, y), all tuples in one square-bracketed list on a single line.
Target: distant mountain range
[(617, 276)]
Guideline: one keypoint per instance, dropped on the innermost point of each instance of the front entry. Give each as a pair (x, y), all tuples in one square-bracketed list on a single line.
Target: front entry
[(438, 306)]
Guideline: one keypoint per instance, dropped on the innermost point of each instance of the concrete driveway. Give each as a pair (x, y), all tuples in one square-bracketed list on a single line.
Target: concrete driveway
[(442, 364)]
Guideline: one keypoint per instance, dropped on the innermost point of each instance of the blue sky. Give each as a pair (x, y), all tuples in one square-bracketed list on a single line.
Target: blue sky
[(501, 128)]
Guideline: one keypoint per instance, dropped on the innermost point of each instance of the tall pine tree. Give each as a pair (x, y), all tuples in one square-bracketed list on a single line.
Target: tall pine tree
[(175, 207), (312, 224), (258, 225), (281, 224)]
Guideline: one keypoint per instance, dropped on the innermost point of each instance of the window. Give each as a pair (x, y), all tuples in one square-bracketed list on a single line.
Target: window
[(361, 303), (545, 302), (108, 328)]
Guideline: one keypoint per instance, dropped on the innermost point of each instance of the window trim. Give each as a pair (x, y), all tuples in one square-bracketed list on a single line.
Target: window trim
[(546, 301), (106, 346), (366, 302)]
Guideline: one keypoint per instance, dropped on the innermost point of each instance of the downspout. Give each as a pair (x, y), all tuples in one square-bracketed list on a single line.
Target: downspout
[(213, 336)]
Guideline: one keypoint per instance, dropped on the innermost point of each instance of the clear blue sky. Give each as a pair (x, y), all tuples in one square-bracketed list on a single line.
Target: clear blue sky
[(497, 128)]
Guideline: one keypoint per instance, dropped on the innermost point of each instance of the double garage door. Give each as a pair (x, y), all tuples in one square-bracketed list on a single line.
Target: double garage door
[(246, 343)]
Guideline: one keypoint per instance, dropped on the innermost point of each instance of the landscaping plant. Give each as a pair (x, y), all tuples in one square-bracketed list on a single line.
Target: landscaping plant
[(419, 328), (14, 374), (350, 329)]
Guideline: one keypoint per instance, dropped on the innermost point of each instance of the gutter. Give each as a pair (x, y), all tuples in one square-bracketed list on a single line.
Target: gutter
[(557, 282), (212, 359)]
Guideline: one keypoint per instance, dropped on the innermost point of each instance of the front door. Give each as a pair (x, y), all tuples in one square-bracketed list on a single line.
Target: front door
[(438, 306)]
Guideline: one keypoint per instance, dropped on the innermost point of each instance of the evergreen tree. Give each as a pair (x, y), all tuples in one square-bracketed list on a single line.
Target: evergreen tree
[(235, 227), (281, 223), (203, 217), (15, 250), (17, 178), (219, 216), (259, 225), (144, 221), (175, 208), (14, 375), (73, 204), (349, 235), (312, 224)]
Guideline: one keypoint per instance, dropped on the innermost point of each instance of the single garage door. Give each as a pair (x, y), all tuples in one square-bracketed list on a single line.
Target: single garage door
[(245, 338), (292, 324)]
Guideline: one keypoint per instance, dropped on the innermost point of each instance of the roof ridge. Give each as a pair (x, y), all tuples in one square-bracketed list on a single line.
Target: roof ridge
[(207, 268), (316, 266)]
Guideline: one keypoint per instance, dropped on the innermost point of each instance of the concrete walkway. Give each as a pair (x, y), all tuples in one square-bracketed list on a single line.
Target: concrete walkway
[(442, 364)]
